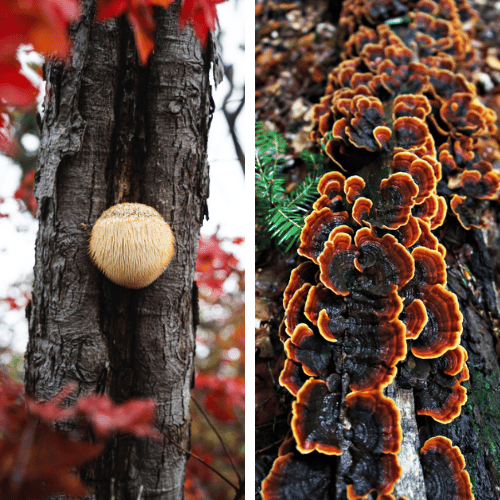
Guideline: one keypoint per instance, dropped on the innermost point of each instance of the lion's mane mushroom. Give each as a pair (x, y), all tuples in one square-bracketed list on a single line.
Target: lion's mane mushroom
[(406, 132), (131, 244)]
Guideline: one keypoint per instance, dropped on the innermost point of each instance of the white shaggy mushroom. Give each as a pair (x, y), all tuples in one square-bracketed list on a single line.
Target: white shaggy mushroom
[(131, 244)]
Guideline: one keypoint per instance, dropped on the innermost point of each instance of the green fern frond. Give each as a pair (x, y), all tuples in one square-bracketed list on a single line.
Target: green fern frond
[(280, 215)]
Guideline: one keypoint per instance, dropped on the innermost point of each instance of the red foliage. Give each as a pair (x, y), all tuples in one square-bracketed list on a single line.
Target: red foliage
[(219, 383), (135, 417), (223, 398), (140, 16), (192, 487), (16, 90), (44, 24), (200, 473), (19, 302), (201, 14), (25, 192), (12, 303), (40, 23), (37, 459), (214, 265)]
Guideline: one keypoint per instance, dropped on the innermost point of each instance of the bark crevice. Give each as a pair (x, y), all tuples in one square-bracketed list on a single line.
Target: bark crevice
[(110, 136)]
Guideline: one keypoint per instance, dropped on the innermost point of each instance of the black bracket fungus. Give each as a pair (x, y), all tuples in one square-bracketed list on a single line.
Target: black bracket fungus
[(444, 474), (405, 127)]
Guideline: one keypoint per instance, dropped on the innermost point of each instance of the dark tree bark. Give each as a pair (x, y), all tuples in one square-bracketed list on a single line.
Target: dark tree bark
[(470, 275), (116, 132), (477, 429)]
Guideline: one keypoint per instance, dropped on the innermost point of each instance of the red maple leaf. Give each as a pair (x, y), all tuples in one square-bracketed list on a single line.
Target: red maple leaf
[(221, 396), (15, 89), (201, 14), (44, 24), (11, 301), (24, 192), (193, 489), (40, 461), (140, 16), (37, 459), (213, 265), (134, 417), (51, 410), (21, 301)]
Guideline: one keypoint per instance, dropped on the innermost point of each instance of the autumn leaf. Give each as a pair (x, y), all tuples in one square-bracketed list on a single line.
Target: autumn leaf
[(108, 9), (213, 265), (40, 462), (12, 302), (22, 300), (144, 28), (220, 368), (140, 16), (15, 89), (201, 14), (222, 396), (134, 417), (44, 24), (37, 459), (24, 192)]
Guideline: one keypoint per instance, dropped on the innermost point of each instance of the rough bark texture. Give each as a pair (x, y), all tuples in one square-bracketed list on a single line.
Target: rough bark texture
[(115, 132), (477, 429), (411, 484), (470, 276)]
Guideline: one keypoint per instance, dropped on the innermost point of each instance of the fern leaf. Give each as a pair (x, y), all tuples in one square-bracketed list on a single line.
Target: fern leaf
[(280, 215)]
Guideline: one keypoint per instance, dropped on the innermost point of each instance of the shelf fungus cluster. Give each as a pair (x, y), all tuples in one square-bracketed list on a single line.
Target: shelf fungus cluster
[(404, 127)]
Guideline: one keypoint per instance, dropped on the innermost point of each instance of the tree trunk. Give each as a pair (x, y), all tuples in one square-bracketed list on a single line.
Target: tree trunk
[(476, 431), (116, 132)]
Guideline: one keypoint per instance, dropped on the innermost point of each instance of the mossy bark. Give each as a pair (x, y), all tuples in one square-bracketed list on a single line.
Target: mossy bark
[(114, 132), (476, 431)]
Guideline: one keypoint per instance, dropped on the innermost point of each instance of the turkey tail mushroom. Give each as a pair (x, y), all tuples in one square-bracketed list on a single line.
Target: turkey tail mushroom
[(404, 128)]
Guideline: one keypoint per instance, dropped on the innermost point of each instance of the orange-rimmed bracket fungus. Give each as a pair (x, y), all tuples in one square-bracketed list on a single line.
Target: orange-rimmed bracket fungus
[(131, 244), (369, 303)]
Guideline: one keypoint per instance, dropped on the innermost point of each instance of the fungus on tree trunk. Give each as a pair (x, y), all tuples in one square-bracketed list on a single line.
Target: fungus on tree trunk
[(405, 128), (444, 474), (131, 244)]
